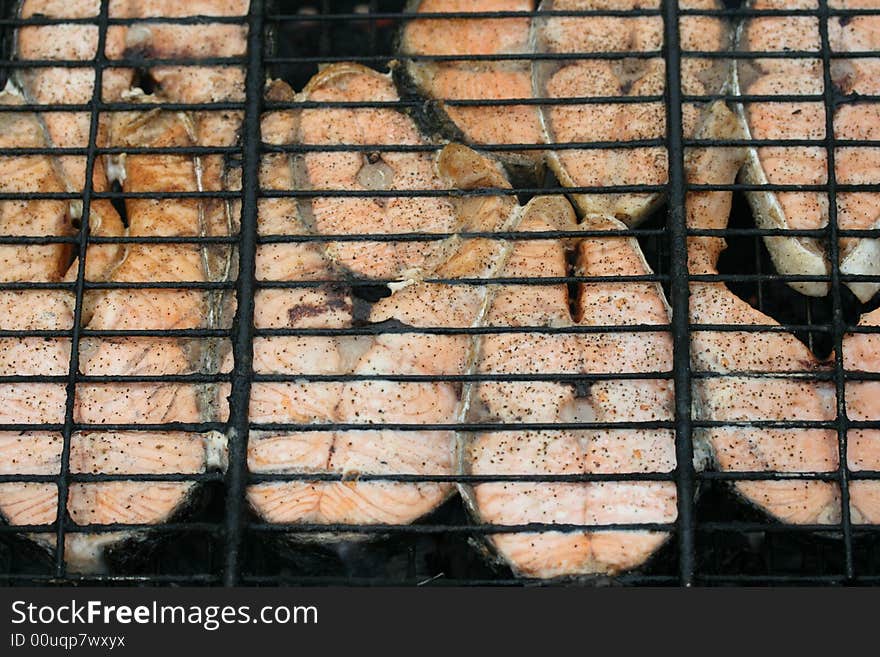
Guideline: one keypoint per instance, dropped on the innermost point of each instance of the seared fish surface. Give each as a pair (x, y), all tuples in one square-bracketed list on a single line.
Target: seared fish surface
[(861, 353), (613, 122), (181, 84), (478, 80), (135, 452), (75, 86), (195, 84), (753, 375), (31, 452), (609, 451), (157, 451), (356, 173), (323, 301)]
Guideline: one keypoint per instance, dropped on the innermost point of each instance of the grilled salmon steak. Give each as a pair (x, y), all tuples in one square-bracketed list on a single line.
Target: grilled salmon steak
[(122, 402), (31, 452), (324, 302), (602, 399), (805, 120), (328, 168), (604, 125), (193, 83), (153, 451), (483, 80), (65, 85), (74, 85), (753, 376), (322, 305)]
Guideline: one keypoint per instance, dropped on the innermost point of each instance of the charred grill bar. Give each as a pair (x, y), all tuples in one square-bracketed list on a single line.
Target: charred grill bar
[(716, 539), (837, 308), (243, 349), (680, 289)]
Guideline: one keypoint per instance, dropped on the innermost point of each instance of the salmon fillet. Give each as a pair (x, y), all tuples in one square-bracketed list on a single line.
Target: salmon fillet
[(326, 306), (31, 452), (360, 172), (418, 304), (611, 451), (74, 86), (807, 165), (615, 122), (484, 80), (753, 376)]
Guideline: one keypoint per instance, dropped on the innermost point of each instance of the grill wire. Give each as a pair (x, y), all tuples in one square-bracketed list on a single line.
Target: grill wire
[(717, 538)]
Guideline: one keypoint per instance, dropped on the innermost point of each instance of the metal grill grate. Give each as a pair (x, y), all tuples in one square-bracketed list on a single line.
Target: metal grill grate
[(717, 539)]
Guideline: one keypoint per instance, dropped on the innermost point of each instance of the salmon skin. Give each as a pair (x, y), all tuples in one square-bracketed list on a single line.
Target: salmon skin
[(370, 399), (615, 122), (608, 451), (477, 80), (357, 172), (131, 452), (807, 165), (753, 376)]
